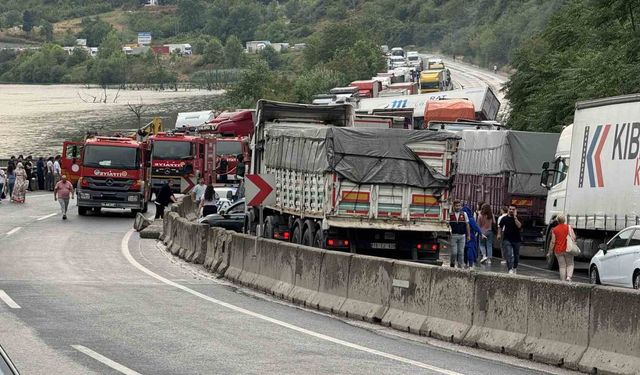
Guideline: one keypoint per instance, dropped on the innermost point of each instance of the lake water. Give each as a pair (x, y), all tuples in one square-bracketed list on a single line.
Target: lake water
[(36, 119)]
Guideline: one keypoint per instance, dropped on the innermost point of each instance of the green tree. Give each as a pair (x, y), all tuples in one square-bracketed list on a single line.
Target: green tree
[(94, 30), (259, 82), (12, 18), (213, 52), (233, 52), (77, 57), (110, 66), (190, 14), (28, 20), (272, 57), (318, 80), (363, 60), (47, 30)]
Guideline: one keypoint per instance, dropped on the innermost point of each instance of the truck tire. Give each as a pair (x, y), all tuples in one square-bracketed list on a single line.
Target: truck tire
[(82, 211), (268, 227), (319, 239), (296, 236), (309, 233)]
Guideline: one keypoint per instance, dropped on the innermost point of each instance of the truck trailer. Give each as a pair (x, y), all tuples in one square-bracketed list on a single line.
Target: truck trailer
[(345, 188), (595, 177)]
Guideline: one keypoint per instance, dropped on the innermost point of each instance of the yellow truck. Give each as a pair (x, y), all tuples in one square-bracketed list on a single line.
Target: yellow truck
[(432, 81)]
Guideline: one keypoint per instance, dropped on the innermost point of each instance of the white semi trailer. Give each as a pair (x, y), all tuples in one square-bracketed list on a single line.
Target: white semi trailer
[(595, 177)]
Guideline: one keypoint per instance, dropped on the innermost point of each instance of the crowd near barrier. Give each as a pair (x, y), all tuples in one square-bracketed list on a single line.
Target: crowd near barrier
[(589, 328)]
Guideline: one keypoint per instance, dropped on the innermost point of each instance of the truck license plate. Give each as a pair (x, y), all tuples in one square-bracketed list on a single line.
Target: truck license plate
[(383, 245), (108, 204)]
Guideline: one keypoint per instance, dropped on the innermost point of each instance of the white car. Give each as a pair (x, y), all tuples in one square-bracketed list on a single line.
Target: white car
[(618, 262)]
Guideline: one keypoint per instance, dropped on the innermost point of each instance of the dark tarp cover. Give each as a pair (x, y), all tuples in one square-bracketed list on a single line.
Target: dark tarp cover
[(528, 151), (362, 156)]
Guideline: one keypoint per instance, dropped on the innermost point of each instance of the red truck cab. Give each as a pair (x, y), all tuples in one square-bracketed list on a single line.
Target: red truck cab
[(182, 158), (231, 124), (368, 88), (113, 173)]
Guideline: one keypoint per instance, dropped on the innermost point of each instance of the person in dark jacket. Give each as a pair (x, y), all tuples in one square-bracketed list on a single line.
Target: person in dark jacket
[(40, 172), (164, 198)]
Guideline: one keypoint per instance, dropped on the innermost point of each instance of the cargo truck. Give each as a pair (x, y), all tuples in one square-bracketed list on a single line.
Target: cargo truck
[(344, 188), (595, 177), (501, 168)]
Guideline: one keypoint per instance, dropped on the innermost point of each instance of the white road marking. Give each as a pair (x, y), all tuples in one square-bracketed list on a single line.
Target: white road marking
[(125, 251), (8, 300), (12, 231), (46, 216), (100, 358)]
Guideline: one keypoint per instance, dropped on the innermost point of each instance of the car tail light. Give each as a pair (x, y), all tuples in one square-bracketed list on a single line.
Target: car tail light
[(434, 247), (427, 247), (286, 235), (419, 246), (331, 242)]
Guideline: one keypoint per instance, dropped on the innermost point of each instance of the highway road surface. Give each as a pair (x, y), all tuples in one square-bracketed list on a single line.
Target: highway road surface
[(88, 296)]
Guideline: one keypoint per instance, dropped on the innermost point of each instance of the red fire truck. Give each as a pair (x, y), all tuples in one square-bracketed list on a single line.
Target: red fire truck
[(112, 172), (227, 151), (183, 158)]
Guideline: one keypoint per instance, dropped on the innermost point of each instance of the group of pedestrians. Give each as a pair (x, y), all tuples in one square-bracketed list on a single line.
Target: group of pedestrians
[(473, 231), (16, 180)]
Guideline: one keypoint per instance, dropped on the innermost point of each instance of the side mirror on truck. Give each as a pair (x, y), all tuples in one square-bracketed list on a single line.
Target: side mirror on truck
[(544, 178)]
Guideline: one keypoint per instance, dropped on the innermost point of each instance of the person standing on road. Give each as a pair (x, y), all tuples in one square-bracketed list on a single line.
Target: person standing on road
[(510, 232), (486, 222), (28, 167), (209, 204), (241, 169), (471, 246), (11, 181), (558, 243), (503, 214), (3, 182), (40, 172), (198, 191), (48, 174), (460, 233), (19, 192), (12, 162), (61, 193), (164, 198), (57, 171)]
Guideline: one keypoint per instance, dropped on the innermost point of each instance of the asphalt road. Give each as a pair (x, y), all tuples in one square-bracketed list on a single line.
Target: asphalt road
[(87, 296)]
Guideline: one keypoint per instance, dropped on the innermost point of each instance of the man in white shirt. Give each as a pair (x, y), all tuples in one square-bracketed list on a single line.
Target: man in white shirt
[(57, 171), (198, 191)]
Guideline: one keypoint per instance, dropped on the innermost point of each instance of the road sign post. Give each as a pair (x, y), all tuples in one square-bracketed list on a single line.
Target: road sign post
[(259, 192)]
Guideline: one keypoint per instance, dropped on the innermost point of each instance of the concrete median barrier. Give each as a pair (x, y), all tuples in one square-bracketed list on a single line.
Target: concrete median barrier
[(186, 237), (276, 267), (334, 282), (369, 288), (308, 265), (170, 223), (451, 310), (410, 296), (218, 250), (557, 323), (614, 332), (251, 263), (499, 312), (198, 250), (179, 230), (236, 249), (141, 222)]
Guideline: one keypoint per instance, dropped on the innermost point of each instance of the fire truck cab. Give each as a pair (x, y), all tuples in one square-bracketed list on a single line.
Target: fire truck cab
[(113, 173), (183, 158)]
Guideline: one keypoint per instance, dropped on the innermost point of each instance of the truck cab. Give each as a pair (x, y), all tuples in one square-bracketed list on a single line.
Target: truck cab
[(227, 151), (183, 159), (114, 174), (554, 177)]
